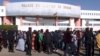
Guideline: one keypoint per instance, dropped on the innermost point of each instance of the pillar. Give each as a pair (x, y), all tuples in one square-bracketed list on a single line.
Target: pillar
[(83, 23), (56, 21), (37, 20), (11, 20), (21, 20), (18, 21), (78, 22), (6, 20), (71, 22)]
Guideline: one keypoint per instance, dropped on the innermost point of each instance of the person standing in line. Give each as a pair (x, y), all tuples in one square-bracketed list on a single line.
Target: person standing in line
[(36, 44), (67, 41), (4, 35), (98, 40), (92, 41), (78, 35), (40, 39), (11, 40), (0, 41), (28, 44), (33, 40), (87, 39), (55, 40), (48, 41), (74, 42)]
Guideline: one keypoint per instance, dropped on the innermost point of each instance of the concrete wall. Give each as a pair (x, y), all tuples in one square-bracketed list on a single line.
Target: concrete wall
[(2, 11)]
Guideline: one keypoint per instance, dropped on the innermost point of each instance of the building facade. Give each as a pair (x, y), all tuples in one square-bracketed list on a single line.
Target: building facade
[(47, 15)]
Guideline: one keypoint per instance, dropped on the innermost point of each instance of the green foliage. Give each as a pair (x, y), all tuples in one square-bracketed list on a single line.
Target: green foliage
[(8, 27)]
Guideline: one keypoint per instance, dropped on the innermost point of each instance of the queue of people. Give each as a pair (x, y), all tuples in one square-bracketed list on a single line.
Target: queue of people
[(48, 42)]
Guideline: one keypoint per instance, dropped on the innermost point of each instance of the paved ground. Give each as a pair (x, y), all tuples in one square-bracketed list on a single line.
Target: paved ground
[(5, 52)]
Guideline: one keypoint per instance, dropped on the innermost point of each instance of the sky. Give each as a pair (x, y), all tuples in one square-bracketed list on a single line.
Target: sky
[(85, 4)]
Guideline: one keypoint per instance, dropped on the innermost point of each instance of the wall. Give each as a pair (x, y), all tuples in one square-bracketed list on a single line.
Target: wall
[(2, 11), (90, 14)]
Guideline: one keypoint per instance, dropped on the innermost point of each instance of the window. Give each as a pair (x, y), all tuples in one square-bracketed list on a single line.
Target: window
[(63, 24), (29, 21), (2, 10), (88, 13), (88, 24), (82, 13), (63, 21), (92, 14), (92, 22), (47, 21), (96, 24), (98, 13)]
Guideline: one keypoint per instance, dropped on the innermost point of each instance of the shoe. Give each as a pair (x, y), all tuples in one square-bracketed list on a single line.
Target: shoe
[(9, 51), (27, 54), (56, 50)]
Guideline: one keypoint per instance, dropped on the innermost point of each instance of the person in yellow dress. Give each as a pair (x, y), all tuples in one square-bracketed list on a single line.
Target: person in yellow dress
[(98, 40)]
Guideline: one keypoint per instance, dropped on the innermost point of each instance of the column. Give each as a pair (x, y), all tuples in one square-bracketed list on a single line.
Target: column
[(71, 22), (56, 21), (11, 21), (78, 22), (0, 20), (37, 20), (18, 21), (83, 22), (21, 20), (7, 20)]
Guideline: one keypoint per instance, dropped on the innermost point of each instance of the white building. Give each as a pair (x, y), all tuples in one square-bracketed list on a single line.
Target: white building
[(90, 18), (2, 13), (47, 15)]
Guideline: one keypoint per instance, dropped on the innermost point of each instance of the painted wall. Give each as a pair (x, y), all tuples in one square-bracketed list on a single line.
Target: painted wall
[(90, 14), (42, 9), (2, 11)]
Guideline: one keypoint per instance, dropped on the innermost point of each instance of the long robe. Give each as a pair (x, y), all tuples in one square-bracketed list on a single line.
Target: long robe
[(21, 44)]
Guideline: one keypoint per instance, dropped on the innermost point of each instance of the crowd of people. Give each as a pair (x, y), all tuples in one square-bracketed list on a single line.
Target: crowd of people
[(48, 42)]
